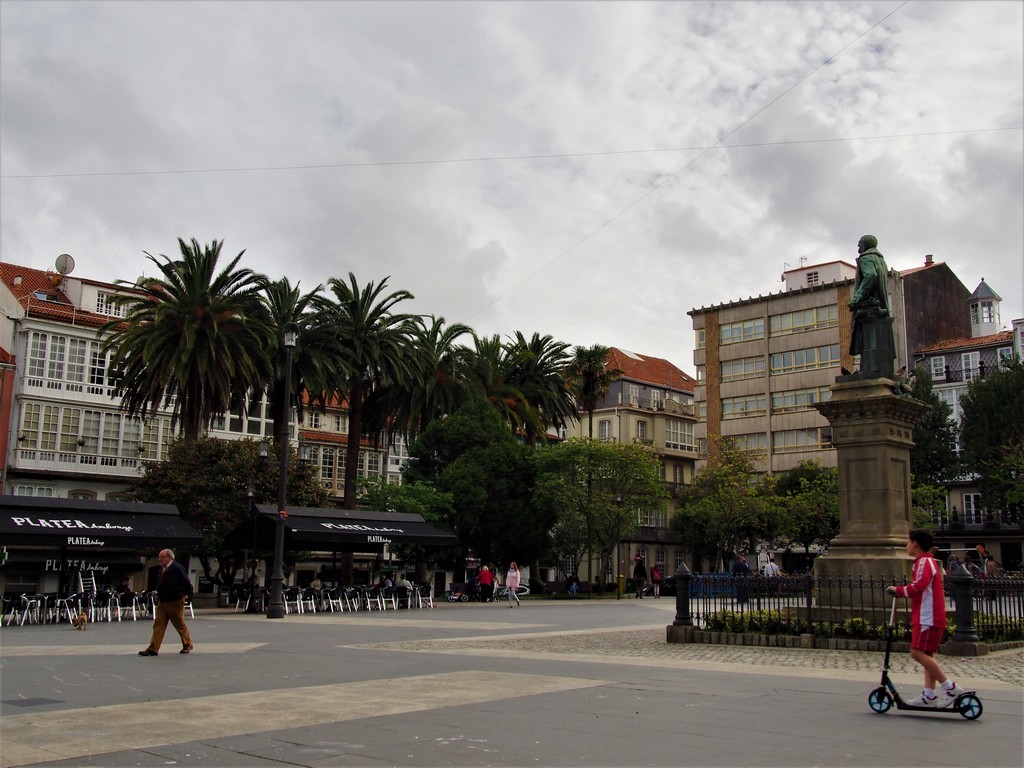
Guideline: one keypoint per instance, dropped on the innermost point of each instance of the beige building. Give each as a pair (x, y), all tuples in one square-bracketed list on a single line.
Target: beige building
[(762, 363), (651, 403)]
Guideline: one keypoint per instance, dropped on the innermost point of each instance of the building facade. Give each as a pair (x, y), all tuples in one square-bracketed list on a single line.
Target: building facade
[(762, 363), (651, 403), (953, 363)]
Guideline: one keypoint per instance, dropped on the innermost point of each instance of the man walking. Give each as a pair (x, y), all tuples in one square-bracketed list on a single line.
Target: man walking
[(172, 587)]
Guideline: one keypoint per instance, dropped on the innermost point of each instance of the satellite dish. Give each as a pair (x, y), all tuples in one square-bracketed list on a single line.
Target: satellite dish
[(65, 264)]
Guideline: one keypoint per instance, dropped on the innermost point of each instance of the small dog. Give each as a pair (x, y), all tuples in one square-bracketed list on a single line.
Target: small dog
[(81, 620)]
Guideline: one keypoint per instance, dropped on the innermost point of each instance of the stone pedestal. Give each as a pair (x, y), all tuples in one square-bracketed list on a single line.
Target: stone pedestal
[(872, 431)]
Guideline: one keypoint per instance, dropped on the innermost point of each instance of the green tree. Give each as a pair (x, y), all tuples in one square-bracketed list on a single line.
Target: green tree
[(725, 504), (934, 460), (474, 457), (992, 429), (314, 360), (540, 372), (491, 371), (376, 349), (210, 482), (809, 500), (599, 491), (195, 339), (590, 379)]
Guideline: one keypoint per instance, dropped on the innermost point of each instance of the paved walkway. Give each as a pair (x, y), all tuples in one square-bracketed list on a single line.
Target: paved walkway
[(551, 683)]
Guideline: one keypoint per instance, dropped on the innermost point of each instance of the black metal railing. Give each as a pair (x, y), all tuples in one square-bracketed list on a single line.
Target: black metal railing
[(855, 607)]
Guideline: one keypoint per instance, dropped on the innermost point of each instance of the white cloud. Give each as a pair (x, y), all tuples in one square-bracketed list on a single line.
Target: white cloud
[(578, 247)]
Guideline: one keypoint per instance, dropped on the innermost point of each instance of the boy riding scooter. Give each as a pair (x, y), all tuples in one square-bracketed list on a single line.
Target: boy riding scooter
[(928, 617)]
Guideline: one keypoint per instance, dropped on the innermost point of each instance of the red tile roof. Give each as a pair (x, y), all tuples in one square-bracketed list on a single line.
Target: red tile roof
[(334, 438), (994, 339), (55, 306), (650, 370)]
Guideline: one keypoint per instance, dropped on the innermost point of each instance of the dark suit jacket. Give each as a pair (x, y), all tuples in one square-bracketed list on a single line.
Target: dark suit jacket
[(175, 584)]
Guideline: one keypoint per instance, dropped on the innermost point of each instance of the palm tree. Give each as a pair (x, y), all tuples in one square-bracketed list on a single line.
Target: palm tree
[(315, 356), (539, 368), (492, 369), (195, 339), (375, 348), (591, 378), (436, 391)]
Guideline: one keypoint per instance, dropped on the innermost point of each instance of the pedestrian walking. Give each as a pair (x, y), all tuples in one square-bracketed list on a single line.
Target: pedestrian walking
[(173, 586), (639, 576), (512, 583)]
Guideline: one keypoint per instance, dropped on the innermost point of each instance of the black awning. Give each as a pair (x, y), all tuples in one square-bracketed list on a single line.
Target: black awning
[(344, 529), (86, 524)]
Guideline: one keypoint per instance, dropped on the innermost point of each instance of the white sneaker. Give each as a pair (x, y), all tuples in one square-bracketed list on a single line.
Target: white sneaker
[(924, 701), (947, 697)]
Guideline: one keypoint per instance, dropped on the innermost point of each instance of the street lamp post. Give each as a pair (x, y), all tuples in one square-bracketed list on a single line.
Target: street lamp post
[(275, 610)]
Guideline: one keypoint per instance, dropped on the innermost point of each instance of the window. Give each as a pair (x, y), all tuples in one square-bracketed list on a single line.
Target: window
[(604, 429), (82, 494), (743, 330), (747, 405), (743, 368), (805, 359), (972, 509), (794, 440), (314, 420), (813, 278), (937, 368), (326, 463), (752, 441), (701, 336), (679, 435), (700, 374), (804, 320), (799, 399), (1005, 354), (341, 423), (634, 394), (106, 305), (35, 490), (641, 430), (656, 399), (970, 362), (702, 410), (984, 312)]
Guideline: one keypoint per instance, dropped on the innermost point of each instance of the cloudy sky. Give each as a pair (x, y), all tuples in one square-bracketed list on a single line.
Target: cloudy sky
[(586, 170)]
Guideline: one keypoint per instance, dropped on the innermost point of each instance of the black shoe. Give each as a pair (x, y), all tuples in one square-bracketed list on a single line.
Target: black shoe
[(148, 652), (186, 649)]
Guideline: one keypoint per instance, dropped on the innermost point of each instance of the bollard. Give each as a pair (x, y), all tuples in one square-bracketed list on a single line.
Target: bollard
[(683, 616), (963, 584)]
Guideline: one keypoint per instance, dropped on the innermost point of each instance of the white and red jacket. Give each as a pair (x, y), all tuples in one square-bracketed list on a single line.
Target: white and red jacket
[(927, 601)]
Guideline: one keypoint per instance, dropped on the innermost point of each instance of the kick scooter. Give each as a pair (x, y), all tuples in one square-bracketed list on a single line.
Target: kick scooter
[(967, 704)]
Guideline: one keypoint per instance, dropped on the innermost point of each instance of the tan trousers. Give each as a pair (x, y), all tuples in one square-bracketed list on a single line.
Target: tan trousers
[(173, 612)]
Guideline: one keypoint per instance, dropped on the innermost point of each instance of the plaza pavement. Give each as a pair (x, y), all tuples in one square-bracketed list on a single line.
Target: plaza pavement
[(560, 683)]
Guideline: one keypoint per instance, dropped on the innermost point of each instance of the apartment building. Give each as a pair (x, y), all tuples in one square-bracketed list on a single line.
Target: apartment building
[(763, 362), (952, 364), (651, 403)]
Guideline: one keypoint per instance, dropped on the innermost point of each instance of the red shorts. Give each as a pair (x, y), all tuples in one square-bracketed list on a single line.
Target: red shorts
[(926, 639)]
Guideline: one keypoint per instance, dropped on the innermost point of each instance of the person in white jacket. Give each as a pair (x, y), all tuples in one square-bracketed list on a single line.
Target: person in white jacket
[(512, 584)]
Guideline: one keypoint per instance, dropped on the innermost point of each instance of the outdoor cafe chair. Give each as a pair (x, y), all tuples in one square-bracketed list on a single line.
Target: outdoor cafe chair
[(402, 597), (125, 603), (69, 606), (292, 597), (424, 594), (308, 598)]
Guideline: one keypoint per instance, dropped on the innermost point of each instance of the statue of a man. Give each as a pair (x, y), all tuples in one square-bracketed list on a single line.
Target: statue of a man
[(872, 337)]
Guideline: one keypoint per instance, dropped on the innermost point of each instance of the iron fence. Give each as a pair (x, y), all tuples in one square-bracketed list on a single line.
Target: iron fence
[(849, 606)]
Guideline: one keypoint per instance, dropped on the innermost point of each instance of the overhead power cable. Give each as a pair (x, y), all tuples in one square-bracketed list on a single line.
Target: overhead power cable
[(505, 158)]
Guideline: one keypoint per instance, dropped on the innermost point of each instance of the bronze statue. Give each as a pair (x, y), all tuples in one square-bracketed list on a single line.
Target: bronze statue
[(872, 337)]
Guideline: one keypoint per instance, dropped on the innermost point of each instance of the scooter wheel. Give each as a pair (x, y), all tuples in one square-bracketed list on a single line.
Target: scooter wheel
[(880, 701), (464, 598), (969, 707)]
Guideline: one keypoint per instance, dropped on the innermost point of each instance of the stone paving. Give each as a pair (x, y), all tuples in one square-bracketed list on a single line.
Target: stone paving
[(1004, 666)]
